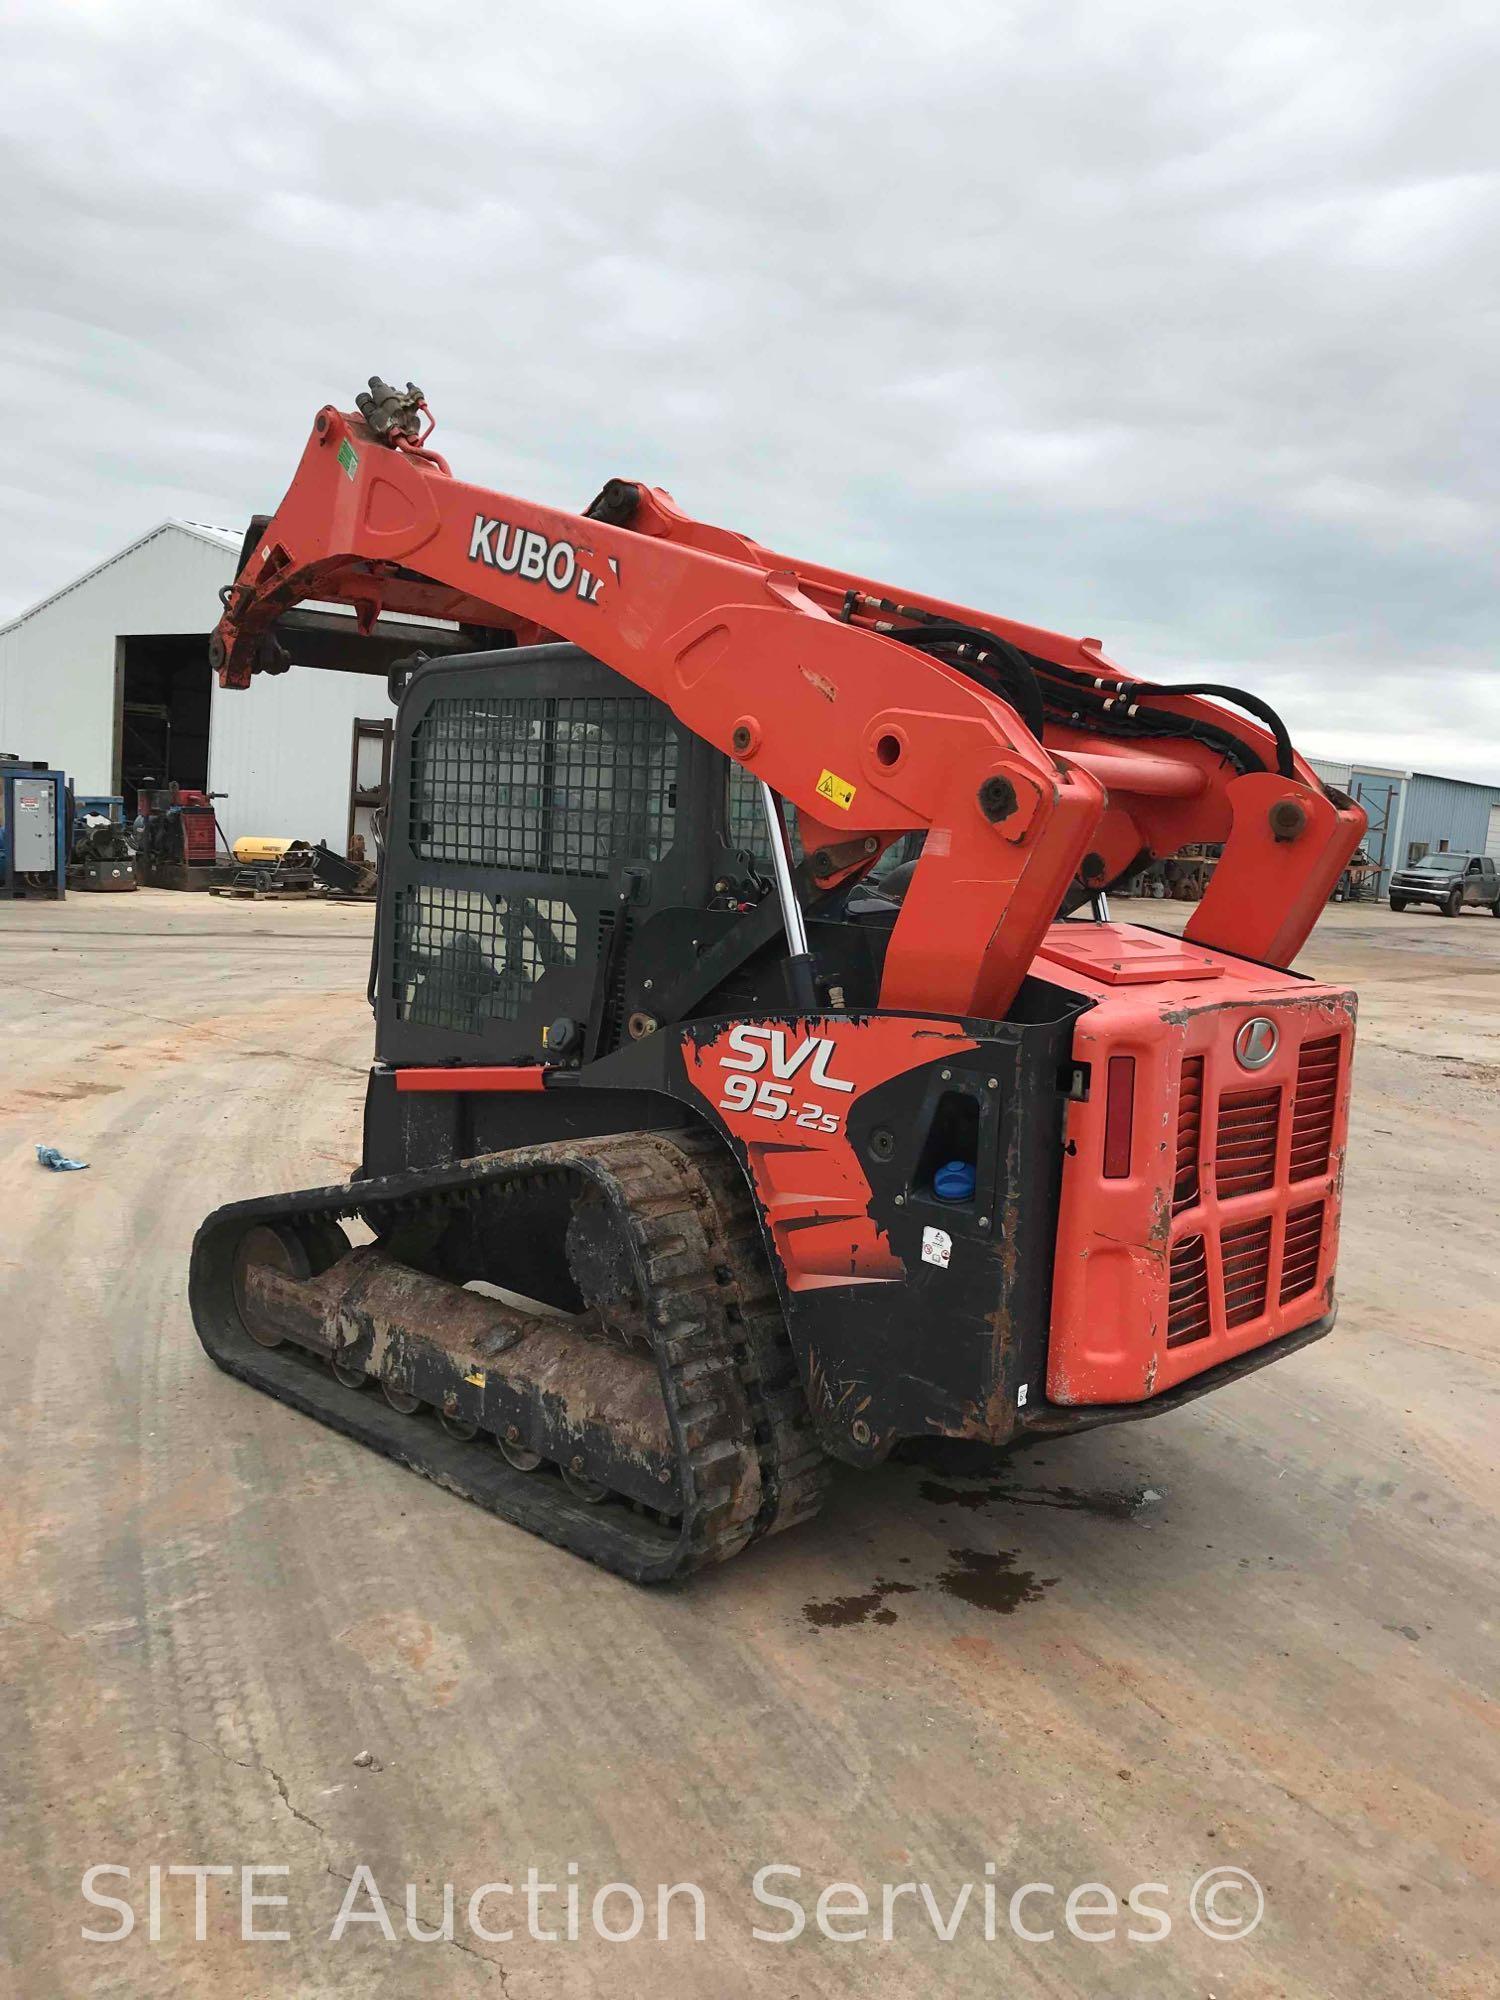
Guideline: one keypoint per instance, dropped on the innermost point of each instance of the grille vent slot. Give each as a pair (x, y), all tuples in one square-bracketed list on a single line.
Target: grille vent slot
[(1189, 1134), (1245, 1248), (1187, 1299), (1304, 1245), (1246, 1146), (1313, 1107)]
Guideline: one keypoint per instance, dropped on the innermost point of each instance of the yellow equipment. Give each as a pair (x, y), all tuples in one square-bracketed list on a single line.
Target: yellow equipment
[(262, 850)]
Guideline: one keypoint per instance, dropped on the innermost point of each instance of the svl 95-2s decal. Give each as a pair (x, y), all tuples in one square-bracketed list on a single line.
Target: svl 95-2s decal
[(762, 1079), (753, 1049)]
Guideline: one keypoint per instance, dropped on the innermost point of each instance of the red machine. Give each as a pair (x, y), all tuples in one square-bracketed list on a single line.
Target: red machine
[(182, 844), (1006, 1170)]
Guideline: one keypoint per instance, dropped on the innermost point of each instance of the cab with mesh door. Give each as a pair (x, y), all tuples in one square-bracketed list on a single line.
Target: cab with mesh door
[(533, 832)]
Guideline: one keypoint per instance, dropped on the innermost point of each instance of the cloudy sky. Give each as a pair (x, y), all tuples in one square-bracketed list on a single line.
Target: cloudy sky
[(1172, 323)]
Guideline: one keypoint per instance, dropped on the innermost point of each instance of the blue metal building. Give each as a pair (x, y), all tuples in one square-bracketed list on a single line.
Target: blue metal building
[(1413, 813)]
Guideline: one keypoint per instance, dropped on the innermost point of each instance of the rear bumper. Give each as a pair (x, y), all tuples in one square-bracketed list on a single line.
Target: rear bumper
[(1053, 1419)]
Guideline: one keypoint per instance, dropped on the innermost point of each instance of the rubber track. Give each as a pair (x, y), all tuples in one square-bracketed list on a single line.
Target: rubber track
[(710, 1368), (795, 1470)]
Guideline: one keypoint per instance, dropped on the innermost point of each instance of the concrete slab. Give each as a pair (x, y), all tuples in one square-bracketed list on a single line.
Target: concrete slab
[(1256, 1635)]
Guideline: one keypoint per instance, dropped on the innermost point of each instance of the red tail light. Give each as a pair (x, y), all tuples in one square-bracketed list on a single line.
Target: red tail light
[(1119, 1117)]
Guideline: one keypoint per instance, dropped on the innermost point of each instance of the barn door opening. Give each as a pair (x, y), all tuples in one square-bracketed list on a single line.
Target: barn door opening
[(162, 720), (369, 782)]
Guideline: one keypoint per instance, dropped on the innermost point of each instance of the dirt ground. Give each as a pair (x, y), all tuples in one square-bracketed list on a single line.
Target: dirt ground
[(1256, 1635)]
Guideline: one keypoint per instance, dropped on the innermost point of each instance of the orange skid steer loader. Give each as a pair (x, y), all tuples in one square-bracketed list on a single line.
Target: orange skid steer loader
[(704, 1141)]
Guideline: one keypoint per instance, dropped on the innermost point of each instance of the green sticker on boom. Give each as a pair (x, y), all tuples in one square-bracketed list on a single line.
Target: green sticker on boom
[(348, 458)]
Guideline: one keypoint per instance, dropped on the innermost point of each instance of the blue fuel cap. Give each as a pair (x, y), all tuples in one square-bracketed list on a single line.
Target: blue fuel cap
[(954, 1181)]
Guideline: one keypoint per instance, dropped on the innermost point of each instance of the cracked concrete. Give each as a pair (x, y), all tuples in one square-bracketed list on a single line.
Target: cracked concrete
[(430, 1924), (212, 1606), (246, 1764)]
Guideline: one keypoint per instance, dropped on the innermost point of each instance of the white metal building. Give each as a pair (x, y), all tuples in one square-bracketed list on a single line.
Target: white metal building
[(108, 680), (1332, 772)]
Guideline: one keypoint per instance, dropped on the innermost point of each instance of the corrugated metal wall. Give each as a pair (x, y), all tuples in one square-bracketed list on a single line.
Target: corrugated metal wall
[(1416, 808), (1332, 772), (1419, 810), (1447, 809), (57, 663), (281, 749)]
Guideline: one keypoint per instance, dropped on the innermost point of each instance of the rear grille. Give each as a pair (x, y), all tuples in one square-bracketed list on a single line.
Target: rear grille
[(1304, 1244), (1187, 1301), (1246, 1251), (1189, 1134), (1246, 1146), (1313, 1107), (1224, 1276)]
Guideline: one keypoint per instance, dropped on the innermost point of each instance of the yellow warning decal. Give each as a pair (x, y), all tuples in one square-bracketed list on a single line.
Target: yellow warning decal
[(837, 790)]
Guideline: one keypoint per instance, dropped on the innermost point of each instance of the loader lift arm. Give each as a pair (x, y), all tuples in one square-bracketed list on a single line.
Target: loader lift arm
[(1029, 759)]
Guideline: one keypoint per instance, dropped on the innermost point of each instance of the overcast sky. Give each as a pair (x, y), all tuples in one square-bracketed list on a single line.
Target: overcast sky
[(1174, 324)]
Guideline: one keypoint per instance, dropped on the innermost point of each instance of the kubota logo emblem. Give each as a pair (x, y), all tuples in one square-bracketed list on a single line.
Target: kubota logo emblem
[(525, 553), (1256, 1043)]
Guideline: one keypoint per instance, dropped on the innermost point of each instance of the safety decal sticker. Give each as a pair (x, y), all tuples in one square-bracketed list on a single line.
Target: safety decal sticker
[(838, 791), (937, 1248), (348, 458)]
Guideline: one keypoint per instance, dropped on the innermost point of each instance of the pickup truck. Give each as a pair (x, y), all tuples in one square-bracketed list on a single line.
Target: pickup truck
[(1452, 881)]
